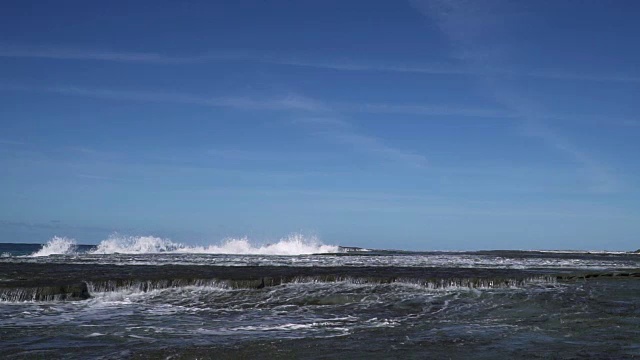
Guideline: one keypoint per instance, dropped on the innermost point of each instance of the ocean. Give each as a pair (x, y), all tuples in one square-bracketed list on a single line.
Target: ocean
[(150, 298)]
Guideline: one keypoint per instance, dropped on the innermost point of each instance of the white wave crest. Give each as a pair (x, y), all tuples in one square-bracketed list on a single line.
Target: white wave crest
[(57, 245), (295, 244), (136, 245)]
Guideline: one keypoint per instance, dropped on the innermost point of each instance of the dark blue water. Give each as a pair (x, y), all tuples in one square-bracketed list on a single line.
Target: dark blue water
[(182, 305)]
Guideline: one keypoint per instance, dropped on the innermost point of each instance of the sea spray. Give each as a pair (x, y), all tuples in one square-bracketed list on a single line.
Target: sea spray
[(294, 244), (57, 245), (291, 245), (136, 245)]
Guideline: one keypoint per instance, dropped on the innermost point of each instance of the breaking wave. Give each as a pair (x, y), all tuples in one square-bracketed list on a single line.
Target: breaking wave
[(57, 245), (136, 245), (295, 244)]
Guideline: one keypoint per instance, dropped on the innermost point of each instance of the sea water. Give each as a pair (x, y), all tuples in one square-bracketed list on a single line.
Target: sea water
[(298, 298)]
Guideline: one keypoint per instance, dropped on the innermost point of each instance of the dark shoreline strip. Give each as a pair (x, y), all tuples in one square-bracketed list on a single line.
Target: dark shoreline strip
[(595, 275), (53, 282)]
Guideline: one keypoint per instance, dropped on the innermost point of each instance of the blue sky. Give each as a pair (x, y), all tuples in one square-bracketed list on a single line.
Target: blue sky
[(387, 124)]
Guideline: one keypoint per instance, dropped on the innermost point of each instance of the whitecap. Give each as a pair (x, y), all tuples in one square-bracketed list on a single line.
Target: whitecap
[(57, 245), (294, 244)]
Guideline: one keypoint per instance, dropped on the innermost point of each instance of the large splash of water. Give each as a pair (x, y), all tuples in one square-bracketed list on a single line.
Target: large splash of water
[(136, 245), (57, 245), (295, 244)]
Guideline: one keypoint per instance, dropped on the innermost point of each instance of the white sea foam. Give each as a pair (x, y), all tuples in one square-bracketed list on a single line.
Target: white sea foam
[(603, 252), (57, 245), (95, 334), (136, 245), (295, 244)]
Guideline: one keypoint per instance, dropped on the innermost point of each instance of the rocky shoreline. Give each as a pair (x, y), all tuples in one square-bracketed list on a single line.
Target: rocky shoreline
[(43, 282)]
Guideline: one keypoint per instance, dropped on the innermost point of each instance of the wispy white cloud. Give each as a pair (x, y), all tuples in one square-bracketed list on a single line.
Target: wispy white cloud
[(285, 102), (341, 131), (532, 115), (94, 154), (319, 111), (67, 53), (352, 65), (70, 53), (375, 145), (11, 142), (472, 28), (322, 121), (95, 177), (52, 224), (258, 155), (319, 115), (601, 177), (326, 119), (567, 75), (427, 110), (358, 65), (592, 119), (329, 117), (394, 201)]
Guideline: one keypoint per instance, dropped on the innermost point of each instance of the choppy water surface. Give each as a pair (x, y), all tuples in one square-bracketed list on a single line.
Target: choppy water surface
[(313, 317)]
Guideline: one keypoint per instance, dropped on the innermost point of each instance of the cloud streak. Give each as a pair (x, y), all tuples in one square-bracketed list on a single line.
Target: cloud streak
[(602, 179), (375, 145), (340, 131), (324, 118), (358, 66), (327, 118), (65, 53), (427, 110), (348, 65), (354, 65), (286, 102), (472, 28), (11, 142), (323, 111)]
